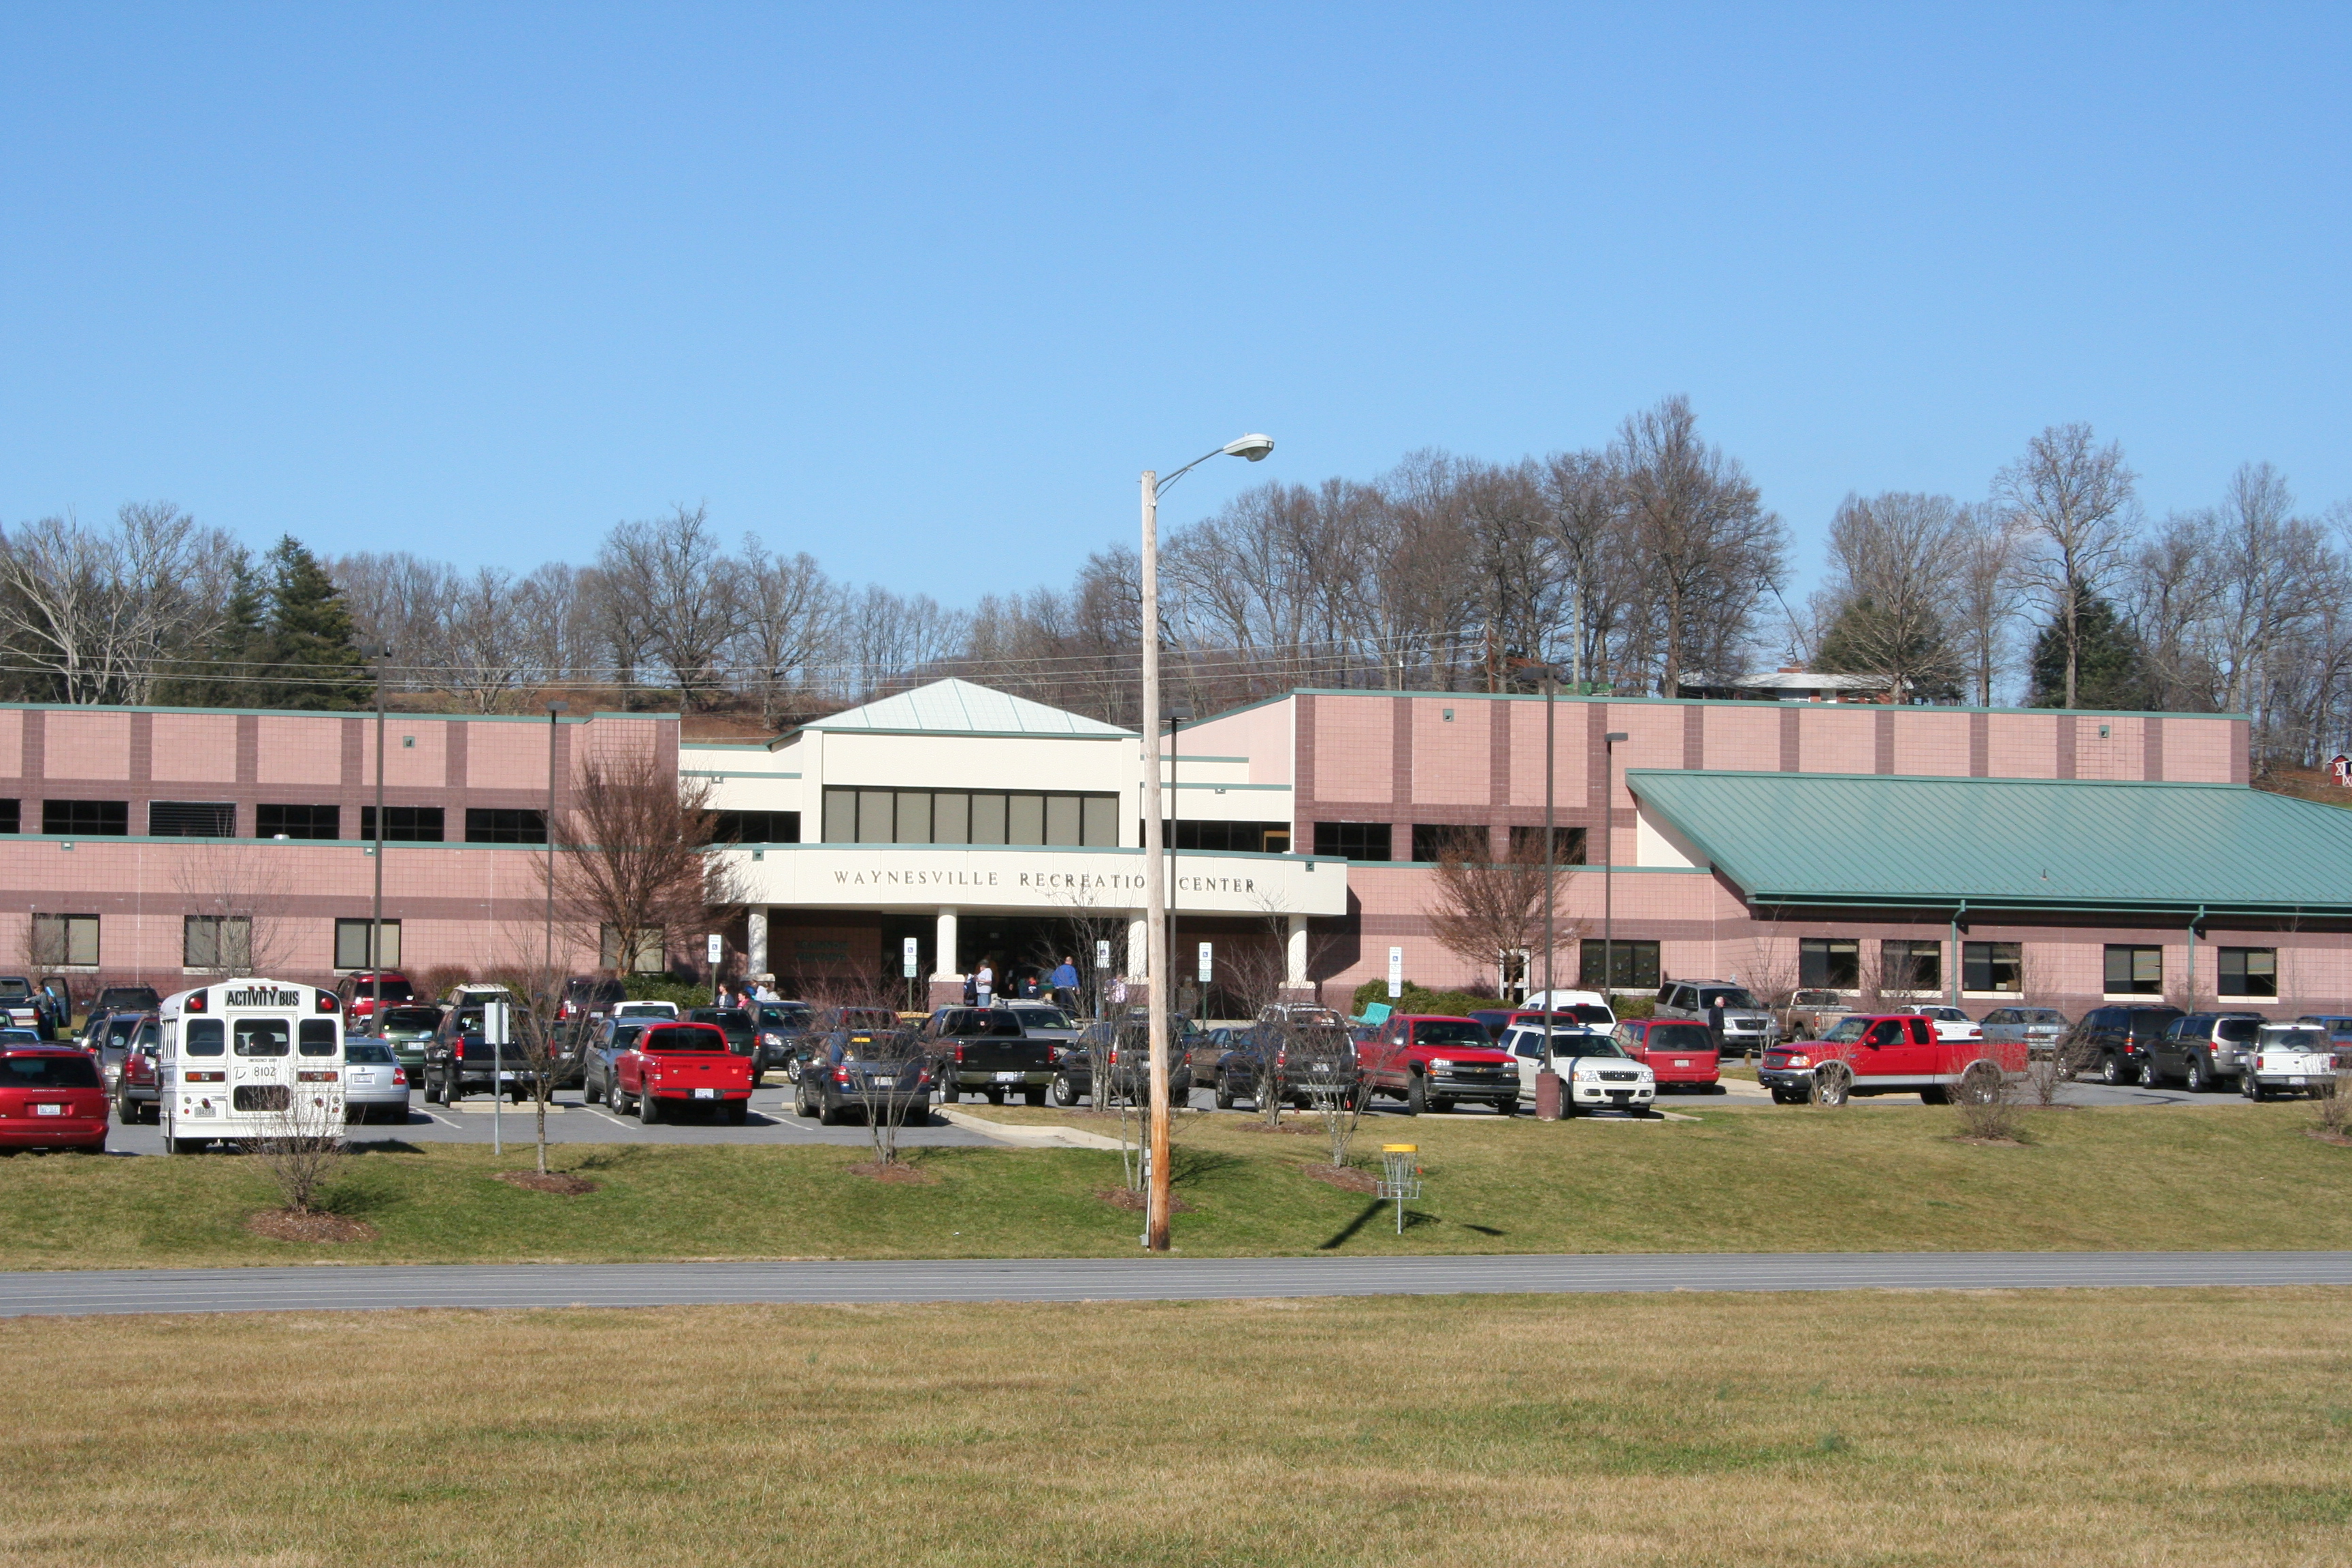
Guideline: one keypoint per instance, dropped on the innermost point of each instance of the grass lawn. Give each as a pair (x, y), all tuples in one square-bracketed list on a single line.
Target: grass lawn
[(2231, 1177), (2045, 1428)]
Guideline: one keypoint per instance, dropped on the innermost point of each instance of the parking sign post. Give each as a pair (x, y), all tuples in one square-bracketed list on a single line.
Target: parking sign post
[(718, 950), (494, 1033), (1396, 972), (906, 964)]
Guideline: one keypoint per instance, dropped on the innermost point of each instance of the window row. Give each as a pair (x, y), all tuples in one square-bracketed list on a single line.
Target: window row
[(968, 817), (217, 819), (1998, 968), (1433, 841), (206, 941)]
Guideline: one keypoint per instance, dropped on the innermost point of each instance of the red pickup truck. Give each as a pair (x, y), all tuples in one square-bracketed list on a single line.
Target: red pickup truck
[(672, 1066), (1886, 1053), (1434, 1063)]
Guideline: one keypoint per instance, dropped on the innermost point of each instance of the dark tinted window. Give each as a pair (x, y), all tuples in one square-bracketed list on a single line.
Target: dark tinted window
[(204, 1036), (75, 1071), (505, 824), (1352, 840), (297, 821), (13, 988), (1729, 996), (318, 1036), (1450, 1031), (683, 1038), (404, 823), (755, 826), (367, 1053), (1678, 1037), (418, 1019), (86, 818), (9, 818), (262, 1037), (2236, 1029)]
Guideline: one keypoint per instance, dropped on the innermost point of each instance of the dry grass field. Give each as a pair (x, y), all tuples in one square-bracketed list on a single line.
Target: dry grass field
[(2058, 1428)]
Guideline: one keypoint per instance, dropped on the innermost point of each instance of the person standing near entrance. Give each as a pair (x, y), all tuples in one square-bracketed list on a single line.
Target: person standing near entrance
[(1065, 983), (1715, 1023), (983, 982)]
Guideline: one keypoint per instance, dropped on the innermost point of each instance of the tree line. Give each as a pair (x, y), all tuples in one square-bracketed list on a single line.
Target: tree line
[(1646, 566)]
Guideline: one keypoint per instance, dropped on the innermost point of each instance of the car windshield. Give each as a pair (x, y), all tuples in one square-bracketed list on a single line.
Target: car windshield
[(2042, 1015), (411, 1020), (684, 1038), (790, 1015), (1816, 999), (1728, 996), (1046, 1017), (2293, 1037), (1587, 1046), (1847, 1029), (1450, 1032), (1680, 1037), (2235, 1028), (15, 990), (2149, 1022), (21, 1036), (367, 1053), (395, 989), (75, 1071)]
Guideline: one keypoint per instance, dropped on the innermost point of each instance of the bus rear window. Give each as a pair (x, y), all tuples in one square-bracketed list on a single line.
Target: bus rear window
[(318, 1036), (204, 1036), (261, 1037)]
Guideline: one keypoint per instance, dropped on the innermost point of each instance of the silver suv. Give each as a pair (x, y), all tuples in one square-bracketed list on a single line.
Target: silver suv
[(1747, 1027)]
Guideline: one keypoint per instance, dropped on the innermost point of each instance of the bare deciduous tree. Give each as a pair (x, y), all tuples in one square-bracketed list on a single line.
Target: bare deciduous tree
[(2075, 500), (632, 853), (1891, 558), (1484, 907), (104, 614)]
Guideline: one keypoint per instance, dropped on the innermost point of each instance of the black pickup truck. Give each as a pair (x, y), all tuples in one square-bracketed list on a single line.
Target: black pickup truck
[(458, 1058), (991, 1049)]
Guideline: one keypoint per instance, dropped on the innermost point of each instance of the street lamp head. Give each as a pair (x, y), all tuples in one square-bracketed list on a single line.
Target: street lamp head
[(1181, 712), (1253, 447), (1614, 736), (555, 708)]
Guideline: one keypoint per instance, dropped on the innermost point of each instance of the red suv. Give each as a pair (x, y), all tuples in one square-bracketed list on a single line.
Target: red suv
[(1433, 1063), (1681, 1053), (51, 1096)]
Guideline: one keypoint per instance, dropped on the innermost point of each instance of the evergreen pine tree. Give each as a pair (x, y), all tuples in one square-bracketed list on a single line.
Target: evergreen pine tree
[(223, 672), (2109, 667), (314, 660)]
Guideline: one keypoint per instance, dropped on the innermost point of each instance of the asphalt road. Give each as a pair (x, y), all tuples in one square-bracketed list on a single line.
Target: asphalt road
[(363, 1287)]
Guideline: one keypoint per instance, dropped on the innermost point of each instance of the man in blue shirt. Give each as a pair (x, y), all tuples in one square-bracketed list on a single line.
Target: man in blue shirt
[(1065, 983)]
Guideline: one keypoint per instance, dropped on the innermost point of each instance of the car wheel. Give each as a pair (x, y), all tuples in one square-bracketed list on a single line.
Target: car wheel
[(1934, 1094), (827, 1115), (738, 1113), (1506, 1107), (1034, 1096), (2258, 1091), (1066, 1093), (648, 1110), (1224, 1098), (2193, 1078), (1416, 1096), (2111, 1069), (1833, 1083), (995, 1096)]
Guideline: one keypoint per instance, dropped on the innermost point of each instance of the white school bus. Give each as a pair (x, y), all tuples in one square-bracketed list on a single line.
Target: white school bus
[(250, 1059)]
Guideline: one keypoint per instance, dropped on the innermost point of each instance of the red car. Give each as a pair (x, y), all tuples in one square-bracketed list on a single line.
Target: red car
[(1434, 1063), (1681, 1054), (359, 992), (51, 1096), (673, 1065)]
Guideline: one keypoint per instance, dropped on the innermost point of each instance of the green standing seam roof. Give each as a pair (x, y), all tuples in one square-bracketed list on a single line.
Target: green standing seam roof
[(1875, 839)]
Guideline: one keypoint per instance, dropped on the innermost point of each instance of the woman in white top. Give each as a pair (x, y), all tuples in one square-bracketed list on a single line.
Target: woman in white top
[(983, 982)]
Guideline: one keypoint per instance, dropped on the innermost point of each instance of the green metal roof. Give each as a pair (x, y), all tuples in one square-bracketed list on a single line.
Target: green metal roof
[(1871, 839)]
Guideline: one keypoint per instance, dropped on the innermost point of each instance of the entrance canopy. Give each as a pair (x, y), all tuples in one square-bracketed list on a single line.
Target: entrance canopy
[(1036, 880)]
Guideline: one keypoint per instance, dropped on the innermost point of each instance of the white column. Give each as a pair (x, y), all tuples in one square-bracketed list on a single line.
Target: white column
[(1293, 966), (943, 957), (755, 940), (1138, 946)]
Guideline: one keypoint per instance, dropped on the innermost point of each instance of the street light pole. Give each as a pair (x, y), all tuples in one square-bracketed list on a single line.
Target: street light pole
[(1547, 1077), (380, 654), (1608, 862), (1155, 882), (547, 961)]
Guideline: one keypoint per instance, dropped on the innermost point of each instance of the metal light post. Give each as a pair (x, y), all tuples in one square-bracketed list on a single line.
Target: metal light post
[(1548, 1077), (381, 655), (547, 961), (1608, 862), (1155, 882)]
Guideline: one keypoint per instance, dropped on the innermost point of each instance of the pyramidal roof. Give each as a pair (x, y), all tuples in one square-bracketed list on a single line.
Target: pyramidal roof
[(960, 708)]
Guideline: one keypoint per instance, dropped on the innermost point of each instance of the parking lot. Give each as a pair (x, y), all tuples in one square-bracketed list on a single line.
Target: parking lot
[(771, 1119)]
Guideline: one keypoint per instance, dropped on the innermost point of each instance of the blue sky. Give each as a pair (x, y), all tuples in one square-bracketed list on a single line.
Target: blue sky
[(920, 290)]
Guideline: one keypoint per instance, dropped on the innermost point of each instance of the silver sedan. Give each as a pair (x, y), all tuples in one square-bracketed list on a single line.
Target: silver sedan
[(375, 1085)]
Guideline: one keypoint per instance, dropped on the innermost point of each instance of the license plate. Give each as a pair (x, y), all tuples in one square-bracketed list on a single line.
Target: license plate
[(706, 1094), (2295, 1080), (886, 1083), (1008, 1077), (1682, 1061), (60, 1111)]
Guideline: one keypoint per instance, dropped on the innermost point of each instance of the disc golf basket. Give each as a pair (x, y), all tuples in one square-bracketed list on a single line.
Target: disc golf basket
[(1401, 1176)]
